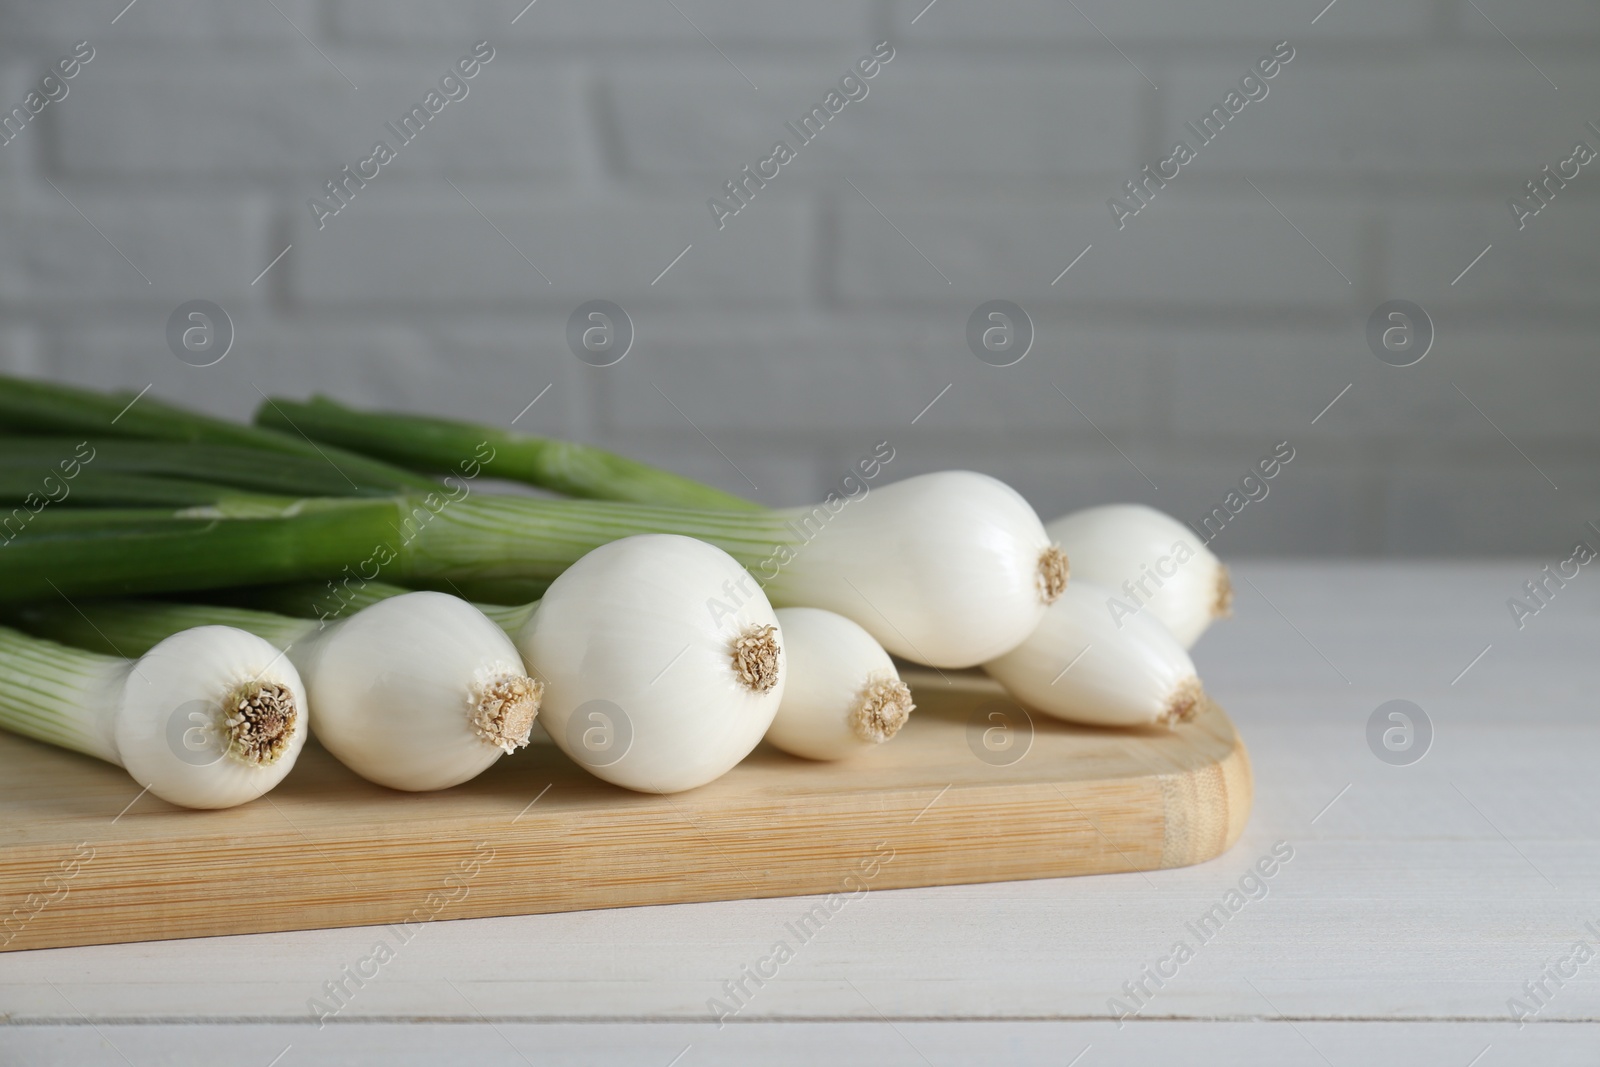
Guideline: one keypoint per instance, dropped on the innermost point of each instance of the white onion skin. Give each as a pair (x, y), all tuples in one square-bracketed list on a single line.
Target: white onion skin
[(201, 666), (633, 623), (831, 660), (1116, 543), (392, 689), (941, 569), (1128, 676)]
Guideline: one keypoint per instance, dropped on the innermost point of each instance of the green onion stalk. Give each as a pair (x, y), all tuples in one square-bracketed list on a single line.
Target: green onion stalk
[(948, 569), (427, 540), (25, 492), (32, 408), (250, 468), (436, 445)]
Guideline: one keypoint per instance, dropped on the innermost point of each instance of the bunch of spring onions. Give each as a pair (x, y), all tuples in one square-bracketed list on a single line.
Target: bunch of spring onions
[(1109, 649), (653, 628)]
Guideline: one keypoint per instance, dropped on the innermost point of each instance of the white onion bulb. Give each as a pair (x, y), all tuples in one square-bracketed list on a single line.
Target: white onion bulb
[(1081, 667), (949, 569), (1150, 562), (417, 692), (208, 718), (662, 662), (843, 694)]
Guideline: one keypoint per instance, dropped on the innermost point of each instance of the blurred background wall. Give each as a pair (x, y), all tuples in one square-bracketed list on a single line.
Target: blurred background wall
[(831, 311)]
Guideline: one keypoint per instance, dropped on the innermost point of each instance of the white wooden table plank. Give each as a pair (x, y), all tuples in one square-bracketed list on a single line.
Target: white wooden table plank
[(1427, 892), (851, 1044)]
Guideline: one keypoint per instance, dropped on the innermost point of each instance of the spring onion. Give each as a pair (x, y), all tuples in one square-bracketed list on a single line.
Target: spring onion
[(417, 692), (948, 569), (207, 718), (1151, 562), (662, 662), (31, 407), (438, 445), (662, 672), (1081, 666), (255, 469), (577, 470), (843, 695), (24, 493)]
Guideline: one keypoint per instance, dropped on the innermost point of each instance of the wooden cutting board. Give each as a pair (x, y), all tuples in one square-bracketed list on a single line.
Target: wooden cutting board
[(971, 791)]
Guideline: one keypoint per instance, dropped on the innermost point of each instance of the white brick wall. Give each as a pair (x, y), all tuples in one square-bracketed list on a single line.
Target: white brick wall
[(433, 252), (151, 247), (1205, 252), (1142, 21), (919, 119), (1549, 19), (42, 29), (1551, 265), (827, 314), (299, 118), (609, 23), (1338, 114)]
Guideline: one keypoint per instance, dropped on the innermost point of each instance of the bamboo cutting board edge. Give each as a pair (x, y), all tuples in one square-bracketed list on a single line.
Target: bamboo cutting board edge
[(327, 849)]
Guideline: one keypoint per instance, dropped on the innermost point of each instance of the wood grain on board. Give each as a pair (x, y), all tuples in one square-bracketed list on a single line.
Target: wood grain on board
[(538, 834)]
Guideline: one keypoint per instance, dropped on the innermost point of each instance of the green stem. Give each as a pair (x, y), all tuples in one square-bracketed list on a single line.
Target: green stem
[(255, 469), (26, 492), (505, 537), (133, 627), (133, 552), (34, 407), (446, 446), (60, 695), (488, 541), (336, 600)]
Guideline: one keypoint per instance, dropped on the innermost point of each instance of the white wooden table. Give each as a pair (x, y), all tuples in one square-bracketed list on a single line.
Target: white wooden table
[(1419, 900)]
